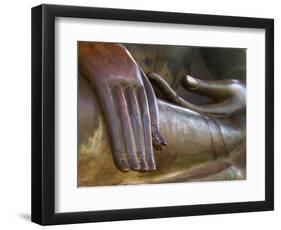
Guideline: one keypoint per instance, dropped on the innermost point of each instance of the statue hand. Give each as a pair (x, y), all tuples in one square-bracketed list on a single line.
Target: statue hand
[(229, 96), (118, 83)]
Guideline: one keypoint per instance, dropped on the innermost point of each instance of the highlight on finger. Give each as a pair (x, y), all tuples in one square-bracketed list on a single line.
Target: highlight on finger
[(146, 122), (113, 125), (126, 127), (135, 116), (158, 140)]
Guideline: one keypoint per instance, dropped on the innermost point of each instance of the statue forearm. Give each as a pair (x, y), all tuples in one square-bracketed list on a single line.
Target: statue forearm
[(191, 139), (195, 138)]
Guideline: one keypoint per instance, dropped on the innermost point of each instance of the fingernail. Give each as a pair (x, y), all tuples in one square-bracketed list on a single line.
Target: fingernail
[(124, 166), (192, 82), (136, 167), (163, 141), (152, 164), (133, 161), (153, 167), (144, 167)]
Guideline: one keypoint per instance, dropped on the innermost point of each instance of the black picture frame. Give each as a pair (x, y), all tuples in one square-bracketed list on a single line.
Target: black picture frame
[(43, 114)]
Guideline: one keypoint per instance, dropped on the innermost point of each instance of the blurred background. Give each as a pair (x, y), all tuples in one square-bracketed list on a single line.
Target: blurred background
[(174, 62)]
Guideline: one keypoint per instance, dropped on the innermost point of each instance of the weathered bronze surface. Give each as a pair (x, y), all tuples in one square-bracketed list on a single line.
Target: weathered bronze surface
[(193, 140), (128, 103), (204, 142), (229, 96)]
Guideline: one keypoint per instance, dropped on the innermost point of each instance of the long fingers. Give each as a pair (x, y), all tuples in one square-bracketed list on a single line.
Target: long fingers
[(157, 138), (113, 125), (128, 119), (146, 122), (128, 136), (135, 115)]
